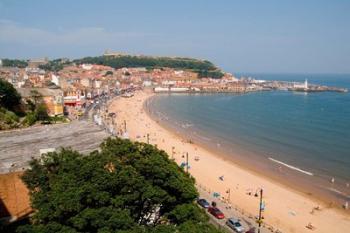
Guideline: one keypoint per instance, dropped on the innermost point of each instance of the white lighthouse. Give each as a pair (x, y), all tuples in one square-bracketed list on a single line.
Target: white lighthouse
[(301, 86)]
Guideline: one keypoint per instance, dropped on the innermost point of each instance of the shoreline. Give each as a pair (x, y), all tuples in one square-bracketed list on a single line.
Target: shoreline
[(284, 174), (290, 209)]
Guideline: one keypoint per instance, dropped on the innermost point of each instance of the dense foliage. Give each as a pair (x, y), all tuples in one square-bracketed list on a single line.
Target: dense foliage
[(199, 66), (9, 97), (38, 114), (54, 65), (10, 108), (8, 119), (14, 63), (126, 187)]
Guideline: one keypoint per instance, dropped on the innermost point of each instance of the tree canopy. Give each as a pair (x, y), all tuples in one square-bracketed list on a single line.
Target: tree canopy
[(55, 65), (124, 187), (9, 97), (14, 63), (202, 67)]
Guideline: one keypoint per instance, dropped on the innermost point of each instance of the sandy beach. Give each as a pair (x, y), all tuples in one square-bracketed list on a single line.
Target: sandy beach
[(286, 209)]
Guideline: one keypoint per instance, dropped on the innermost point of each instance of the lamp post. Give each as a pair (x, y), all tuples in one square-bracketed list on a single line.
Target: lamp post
[(260, 209), (228, 195)]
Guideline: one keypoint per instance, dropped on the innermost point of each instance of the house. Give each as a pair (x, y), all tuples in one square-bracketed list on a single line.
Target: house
[(74, 97), (35, 63), (52, 98), (86, 82)]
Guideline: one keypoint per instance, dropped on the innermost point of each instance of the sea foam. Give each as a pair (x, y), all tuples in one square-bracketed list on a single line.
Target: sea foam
[(291, 167)]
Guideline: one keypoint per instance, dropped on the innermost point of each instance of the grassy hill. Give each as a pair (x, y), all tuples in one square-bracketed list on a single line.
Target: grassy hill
[(203, 67)]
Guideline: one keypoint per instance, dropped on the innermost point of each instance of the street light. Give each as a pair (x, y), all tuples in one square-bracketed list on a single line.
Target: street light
[(260, 209)]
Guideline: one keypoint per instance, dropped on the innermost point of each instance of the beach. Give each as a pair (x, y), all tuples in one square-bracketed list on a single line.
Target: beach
[(286, 209)]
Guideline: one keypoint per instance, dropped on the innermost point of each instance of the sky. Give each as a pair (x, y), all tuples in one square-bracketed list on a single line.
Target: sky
[(270, 36)]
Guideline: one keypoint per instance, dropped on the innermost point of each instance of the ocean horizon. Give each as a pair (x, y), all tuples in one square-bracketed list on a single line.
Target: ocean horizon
[(300, 138)]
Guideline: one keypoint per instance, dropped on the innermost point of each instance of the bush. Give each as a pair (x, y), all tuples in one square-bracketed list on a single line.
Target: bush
[(30, 119), (41, 113), (8, 119), (58, 118), (11, 117)]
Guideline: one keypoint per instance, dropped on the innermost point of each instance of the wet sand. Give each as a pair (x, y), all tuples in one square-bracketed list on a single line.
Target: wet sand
[(286, 208)]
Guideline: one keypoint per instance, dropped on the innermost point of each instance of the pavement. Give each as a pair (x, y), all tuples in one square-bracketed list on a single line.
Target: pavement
[(230, 210), (17, 147)]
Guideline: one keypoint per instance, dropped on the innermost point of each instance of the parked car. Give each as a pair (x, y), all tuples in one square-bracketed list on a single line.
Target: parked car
[(251, 230), (216, 212), (235, 225), (203, 203)]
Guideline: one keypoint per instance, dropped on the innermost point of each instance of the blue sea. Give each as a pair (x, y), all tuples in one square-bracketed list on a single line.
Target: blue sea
[(292, 136)]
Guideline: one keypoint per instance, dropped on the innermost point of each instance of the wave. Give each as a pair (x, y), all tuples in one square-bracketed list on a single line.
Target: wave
[(291, 167), (338, 192)]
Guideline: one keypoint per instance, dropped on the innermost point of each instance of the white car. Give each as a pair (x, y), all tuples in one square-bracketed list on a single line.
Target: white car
[(235, 225)]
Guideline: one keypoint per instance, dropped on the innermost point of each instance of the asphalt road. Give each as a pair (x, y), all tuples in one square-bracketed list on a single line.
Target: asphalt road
[(246, 220), (18, 146)]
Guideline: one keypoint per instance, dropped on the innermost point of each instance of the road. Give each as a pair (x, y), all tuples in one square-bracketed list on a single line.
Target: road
[(18, 146), (247, 221)]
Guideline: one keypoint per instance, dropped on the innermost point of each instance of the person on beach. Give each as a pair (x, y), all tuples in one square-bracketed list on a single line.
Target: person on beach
[(310, 226)]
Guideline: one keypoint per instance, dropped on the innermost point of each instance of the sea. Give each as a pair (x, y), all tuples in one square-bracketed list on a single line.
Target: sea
[(301, 140)]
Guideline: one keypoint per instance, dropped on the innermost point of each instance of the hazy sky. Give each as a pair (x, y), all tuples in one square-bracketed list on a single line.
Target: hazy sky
[(306, 36)]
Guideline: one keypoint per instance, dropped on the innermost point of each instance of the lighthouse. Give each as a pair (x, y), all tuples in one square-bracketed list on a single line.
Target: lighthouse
[(305, 84)]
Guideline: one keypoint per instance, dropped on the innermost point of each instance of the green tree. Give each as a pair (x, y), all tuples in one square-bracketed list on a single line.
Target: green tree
[(9, 97), (41, 113), (108, 73), (126, 187), (30, 119), (36, 98), (14, 63), (202, 67)]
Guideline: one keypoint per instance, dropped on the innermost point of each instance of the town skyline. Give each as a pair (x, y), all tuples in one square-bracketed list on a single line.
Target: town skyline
[(269, 37)]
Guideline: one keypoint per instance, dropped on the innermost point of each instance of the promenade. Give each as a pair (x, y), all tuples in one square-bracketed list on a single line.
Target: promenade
[(17, 147)]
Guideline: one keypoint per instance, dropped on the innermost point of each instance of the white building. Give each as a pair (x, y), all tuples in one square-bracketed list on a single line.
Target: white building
[(55, 79), (97, 84), (168, 82), (86, 66), (161, 89), (179, 89), (147, 83)]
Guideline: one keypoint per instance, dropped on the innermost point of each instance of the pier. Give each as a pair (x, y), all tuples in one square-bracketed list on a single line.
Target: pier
[(244, 86)]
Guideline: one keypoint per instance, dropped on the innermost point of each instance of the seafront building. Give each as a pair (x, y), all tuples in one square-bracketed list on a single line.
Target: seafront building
[(52, 98)]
